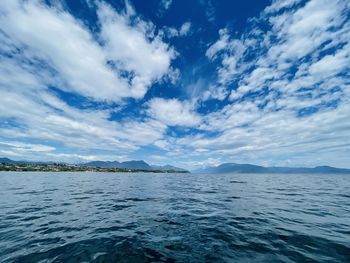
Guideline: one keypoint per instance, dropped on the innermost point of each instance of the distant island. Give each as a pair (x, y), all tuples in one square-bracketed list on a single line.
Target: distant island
[(250, 168), (7, 164)]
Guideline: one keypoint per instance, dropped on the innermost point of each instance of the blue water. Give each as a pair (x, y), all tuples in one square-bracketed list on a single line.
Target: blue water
[(105, 217)]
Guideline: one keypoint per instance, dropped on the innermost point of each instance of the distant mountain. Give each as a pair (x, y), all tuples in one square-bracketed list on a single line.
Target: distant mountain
[(250, 168), (222, 168), (140, 165), (233, 167), (134, 165), (107, 164), (7, 160), (168, 168)]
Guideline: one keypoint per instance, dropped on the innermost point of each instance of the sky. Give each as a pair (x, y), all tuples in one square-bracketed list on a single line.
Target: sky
[(188, 83)]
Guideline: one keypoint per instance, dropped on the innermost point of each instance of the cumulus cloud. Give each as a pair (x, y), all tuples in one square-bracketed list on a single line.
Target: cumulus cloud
[(147, 60), (280, 94), (277, 6), (184, 30), (173, 112), (47, 118), (67, 46), (287, 87), (81, 132), (219, 45), (81, 64), (43, 47), (28, 147)]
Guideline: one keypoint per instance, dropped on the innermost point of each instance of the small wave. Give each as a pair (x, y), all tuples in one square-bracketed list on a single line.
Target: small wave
[(237, 182)]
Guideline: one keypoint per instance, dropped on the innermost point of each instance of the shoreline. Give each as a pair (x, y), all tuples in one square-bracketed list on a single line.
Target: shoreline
[(74, 168)]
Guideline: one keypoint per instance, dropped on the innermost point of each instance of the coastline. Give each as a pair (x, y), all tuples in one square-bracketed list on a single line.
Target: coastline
[(26, 167)]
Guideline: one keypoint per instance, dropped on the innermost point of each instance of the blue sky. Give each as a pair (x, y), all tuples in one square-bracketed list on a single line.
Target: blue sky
[(189, 83)]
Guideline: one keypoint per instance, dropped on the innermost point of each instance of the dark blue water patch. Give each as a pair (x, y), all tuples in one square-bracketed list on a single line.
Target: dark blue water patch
[(230, 198), (79, 217), (344, 195), (12, 217), (81, 198), (31, 192), (136, 199), (120, 207), (237, 182), (55, 213), (115, 228), (167, 222), (61, 229), (99, 250), (32, 209), (31, 218)]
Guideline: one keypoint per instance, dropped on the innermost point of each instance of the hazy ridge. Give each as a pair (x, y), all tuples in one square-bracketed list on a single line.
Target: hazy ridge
[(250, 168)]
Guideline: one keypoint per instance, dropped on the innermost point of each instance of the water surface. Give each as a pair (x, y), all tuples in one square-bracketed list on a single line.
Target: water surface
[(105, 217)]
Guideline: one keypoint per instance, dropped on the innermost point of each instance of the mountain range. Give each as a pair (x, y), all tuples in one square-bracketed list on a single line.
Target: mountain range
[(135, 165), (250, 168), (9, 161), (142, 165), (222, 168)]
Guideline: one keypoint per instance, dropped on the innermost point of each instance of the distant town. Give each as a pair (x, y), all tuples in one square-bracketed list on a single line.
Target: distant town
[(58, 167), (7, 164)]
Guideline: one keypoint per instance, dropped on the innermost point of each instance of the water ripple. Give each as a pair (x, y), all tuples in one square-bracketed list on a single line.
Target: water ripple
[(88, 217)]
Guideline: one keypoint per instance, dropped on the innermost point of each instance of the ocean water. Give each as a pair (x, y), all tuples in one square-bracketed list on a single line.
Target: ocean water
[(105, 217)]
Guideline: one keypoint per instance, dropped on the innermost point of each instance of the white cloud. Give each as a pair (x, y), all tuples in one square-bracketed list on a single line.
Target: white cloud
[(42, 116), (219, 45), (173, 112), (129, 46), (52, 35), (49, 47), (57, 38), (276, 138), (288, 87), (164, 5), (278, 5), (28, 147), (304, 30), (130, 11), (330, 65), (185, 28)]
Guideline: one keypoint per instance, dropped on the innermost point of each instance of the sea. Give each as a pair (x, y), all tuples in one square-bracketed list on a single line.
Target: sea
[(148, 217)]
